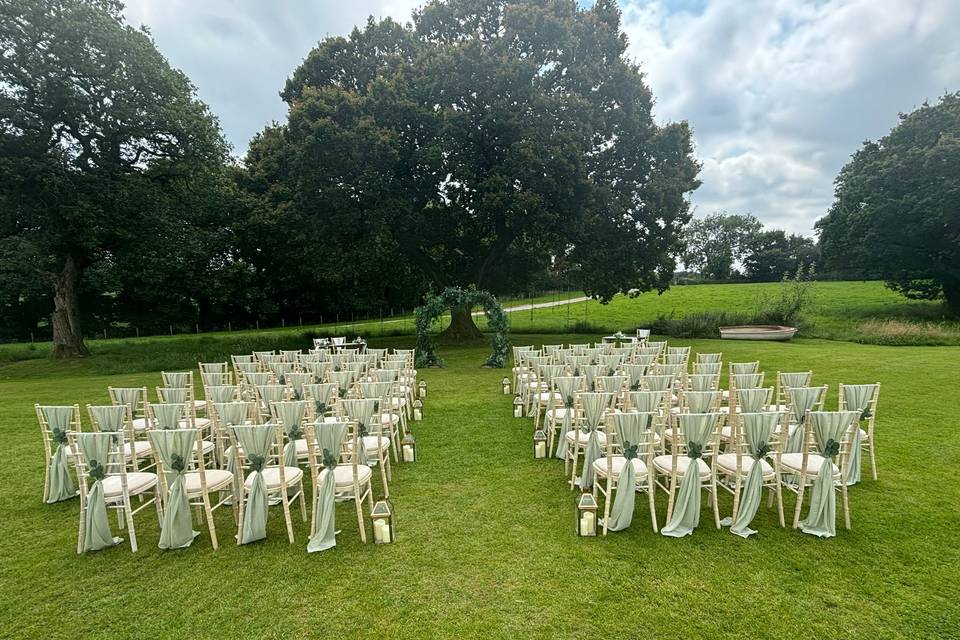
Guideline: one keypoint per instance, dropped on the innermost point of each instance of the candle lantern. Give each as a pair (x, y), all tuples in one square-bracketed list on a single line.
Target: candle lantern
[(517, 407), (586, 515), (418, 409), (506, 385), (539, 443), (423, 388), (382, 516), (409, 447)]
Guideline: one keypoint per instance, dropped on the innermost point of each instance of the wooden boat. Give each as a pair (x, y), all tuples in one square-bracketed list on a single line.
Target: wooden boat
[(757, 332)]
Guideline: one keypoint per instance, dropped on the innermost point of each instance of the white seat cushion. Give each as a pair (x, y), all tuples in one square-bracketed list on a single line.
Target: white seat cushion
[(576, 434), (389, 418), (664, 464), (558, 414), (728, 462), (794, 462), (216, 479), (371, 443), (617, 464), (137, 483), (139, 424), (271, 475), (205, 446), (198, 423), (546, 397), (140, 447), (343, 474), (200, 405)]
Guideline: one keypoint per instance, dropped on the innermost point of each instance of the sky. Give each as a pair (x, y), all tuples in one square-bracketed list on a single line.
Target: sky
[(779, 93)]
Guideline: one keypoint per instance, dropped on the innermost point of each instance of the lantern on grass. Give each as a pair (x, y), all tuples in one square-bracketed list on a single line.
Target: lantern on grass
[(409, 447), (506, 385), (418, 409), (423, 388), (517, 407), (382, 516), (586, 515), (539, 443)]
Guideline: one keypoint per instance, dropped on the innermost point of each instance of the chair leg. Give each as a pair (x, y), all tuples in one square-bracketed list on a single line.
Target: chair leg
[(358, 500), (736, 497), (873, 458), (606, 501), (303, 502), (716, 501), (211, 527), (383, 476), (128, 514), (800, 490), (651, 498), (285, 503), (672, 492), (846, 504), (81, 533), (779, 489)]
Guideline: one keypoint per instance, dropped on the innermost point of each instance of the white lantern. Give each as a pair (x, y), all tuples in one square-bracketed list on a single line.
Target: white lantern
[(587, 514), (539, 444), (382, 516), (506, 385), (417, 410), (409, 447), (423, 388), (517, 407)]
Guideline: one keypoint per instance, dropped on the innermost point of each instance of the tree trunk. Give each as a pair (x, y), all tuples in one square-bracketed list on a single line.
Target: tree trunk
[(67, 336), (462, 326)]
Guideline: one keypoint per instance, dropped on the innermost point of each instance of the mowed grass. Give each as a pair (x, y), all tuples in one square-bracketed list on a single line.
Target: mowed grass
[(485, 533)]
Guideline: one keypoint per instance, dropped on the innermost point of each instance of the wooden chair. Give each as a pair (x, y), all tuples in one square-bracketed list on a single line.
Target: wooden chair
[(56, 425), (610, 467)]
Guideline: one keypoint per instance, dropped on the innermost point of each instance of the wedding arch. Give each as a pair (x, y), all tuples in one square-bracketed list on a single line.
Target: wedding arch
[(435, 306)]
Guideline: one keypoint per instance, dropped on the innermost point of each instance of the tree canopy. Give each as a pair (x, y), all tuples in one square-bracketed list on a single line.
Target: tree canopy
[(896, 210), (101, 147), (479, 145)]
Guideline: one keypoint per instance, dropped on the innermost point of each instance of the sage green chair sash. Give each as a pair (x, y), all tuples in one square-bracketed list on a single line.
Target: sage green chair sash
[(330, 442), (646, 401), (744, 367), (110, 418), (752, 400), (647, 360), (173, 395), (291, 414), (258, 378), (386, 375), (633, 432), (375, 390), (213, 367), (613, 384), (709, 358), (702, 401), (224, 393), (702, 382), (659, 382), (129, 396), (757, 428), (708, 368), (593, 408), (361, 412), (829, 429), (800, 379), (246, 368), (320, 369), (674, 370), (168, 416), (271, 393), (176, 379), (611, 363), (280, 370), (256, 441), (356, 368), (95, 449), (232, 413), (175, 449), (635, 374), (746, 380), (567, 387), (677, 359), (695, 428), (343, 380), (60, 485), (296, 381), (320, 395), (590, 372), (802, 399), (857, 397)]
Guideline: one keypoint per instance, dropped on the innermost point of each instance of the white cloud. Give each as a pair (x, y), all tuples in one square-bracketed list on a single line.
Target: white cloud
[(781, 92)]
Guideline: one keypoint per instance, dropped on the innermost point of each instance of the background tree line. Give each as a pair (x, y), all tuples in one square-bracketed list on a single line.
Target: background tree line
[(503, 144)]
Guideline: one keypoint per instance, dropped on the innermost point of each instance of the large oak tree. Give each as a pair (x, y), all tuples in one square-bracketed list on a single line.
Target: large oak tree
[(896, 212), (97, 134), (484, 142)]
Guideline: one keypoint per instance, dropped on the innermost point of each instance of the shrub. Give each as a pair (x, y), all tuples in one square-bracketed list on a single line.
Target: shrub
[(905, 333)]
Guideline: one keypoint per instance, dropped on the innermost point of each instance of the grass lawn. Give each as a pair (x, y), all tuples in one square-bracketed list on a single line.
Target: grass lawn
[(485, 533)]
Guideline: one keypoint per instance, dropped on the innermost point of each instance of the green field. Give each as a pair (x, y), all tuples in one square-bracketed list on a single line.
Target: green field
[(485, 541)]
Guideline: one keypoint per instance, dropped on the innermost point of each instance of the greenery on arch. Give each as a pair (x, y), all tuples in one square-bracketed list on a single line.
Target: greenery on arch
[(435, 306)]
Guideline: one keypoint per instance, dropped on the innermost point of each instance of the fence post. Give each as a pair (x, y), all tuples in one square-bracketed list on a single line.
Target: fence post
[(229, 325), (197, 325), (138, 331), (258, 324), (283, 323), (31, 337), (171, 329)]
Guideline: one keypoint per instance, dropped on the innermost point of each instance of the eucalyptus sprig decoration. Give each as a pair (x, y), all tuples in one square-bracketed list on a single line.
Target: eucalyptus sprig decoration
[(177, 463), (831, 448), (762, 450), (630, 451), (329, 460), (97, 472), (255, 462), (59, 435), (694, 450)]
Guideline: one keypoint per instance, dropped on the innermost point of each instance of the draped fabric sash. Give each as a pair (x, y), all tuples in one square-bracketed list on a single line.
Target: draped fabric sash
[(594, 405), (758, 428), (95, 449), (829, 428), (802, 399), (168, 416), (744, 367), (752, 400), (320, 395), (176, 379), (695, 428), (635, 373), (175, 448), (224, 393), (256, 441), (60, 486), (330, 442), (174, 395), (702, 401), (646, 401), (567, 387), (290, 415), (361, 412), (701, 382), (857, 397), (633, 431)]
